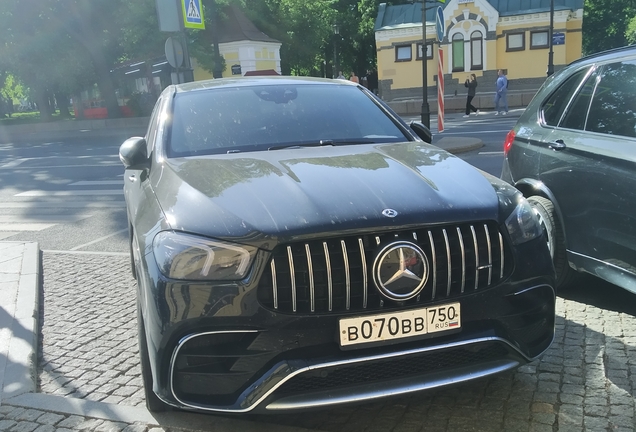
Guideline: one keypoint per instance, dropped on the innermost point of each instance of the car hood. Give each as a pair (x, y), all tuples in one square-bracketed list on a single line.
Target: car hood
[(304, 191)]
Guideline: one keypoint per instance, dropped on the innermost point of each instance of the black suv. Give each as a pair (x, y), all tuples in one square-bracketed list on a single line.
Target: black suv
[(573, 155)]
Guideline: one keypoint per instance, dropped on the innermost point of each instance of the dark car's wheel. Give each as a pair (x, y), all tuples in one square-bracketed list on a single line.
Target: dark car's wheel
[(153, 403), (555, 239)]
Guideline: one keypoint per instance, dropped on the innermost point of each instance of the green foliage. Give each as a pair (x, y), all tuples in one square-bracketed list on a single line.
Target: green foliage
[(606, 24), (65, 46)]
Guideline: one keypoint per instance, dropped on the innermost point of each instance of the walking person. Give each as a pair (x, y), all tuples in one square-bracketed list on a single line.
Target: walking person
[(471, 84), (354, 78), (502, 93)]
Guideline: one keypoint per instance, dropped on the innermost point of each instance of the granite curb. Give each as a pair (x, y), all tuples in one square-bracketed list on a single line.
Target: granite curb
[(19, 371)]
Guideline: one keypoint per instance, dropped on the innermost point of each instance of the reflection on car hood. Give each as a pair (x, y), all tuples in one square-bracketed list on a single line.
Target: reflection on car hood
[(300, 191)]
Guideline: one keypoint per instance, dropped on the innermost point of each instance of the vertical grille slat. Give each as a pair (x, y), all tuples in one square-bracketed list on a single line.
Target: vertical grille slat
[(489, 254), (345, 260), (274, 285), (434, 264), (476, 246), (292, 277), (329, 278), (463, 254), (449, 263), (365, 287), (311, 277), (310, 270)]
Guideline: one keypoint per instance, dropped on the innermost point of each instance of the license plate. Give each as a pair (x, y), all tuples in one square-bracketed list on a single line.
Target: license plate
[(398, 325)]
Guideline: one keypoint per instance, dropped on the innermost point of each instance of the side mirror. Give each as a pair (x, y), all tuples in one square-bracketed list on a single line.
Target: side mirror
[(133, 153), (422, 131)]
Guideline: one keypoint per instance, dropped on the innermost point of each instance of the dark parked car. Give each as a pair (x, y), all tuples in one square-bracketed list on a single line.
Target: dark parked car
[(297, 245), (573, 155)]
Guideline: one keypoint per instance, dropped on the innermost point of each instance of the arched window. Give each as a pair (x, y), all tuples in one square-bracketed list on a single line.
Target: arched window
[(476, 51), (458, 52)]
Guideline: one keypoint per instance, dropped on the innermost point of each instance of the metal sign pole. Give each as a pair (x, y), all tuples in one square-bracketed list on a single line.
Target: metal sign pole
[(188, 75)]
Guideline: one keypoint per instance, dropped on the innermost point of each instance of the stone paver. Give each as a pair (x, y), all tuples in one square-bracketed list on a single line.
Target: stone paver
[(584, 382)]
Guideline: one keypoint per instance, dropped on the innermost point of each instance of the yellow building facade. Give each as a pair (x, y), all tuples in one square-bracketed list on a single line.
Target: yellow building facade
[(244, 48), (480, 37)]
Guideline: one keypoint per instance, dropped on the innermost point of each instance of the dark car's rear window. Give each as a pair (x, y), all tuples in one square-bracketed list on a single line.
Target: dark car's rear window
[(260, 117)]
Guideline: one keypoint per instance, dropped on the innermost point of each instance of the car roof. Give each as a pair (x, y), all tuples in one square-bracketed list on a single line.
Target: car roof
[(258, 81), (606, 55)]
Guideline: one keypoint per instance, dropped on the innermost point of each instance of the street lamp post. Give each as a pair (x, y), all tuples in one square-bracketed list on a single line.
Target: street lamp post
[(550, 41), (426, 110), (336, 32)]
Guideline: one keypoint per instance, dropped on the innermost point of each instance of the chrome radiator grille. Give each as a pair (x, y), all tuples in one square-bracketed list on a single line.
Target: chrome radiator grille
[(335, 275)]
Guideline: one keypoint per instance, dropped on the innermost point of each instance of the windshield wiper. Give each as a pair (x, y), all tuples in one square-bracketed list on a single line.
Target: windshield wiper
[(325, 142)]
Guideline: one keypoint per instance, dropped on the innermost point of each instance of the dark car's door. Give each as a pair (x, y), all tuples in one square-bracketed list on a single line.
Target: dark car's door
[(591, 169)]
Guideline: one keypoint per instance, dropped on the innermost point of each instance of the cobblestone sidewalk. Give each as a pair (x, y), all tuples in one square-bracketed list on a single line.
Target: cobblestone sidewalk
[(585, 382)]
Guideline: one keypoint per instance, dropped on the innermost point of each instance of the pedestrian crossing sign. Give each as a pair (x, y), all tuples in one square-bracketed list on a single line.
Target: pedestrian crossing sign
[(193, 14)]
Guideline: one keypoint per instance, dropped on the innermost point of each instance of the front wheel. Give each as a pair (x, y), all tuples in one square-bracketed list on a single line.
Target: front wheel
[(555, 239)]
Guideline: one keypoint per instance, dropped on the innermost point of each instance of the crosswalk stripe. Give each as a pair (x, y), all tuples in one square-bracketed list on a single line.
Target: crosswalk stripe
[(8, 219), (42, 193), (65, 204), (24, 226), (98, 183)]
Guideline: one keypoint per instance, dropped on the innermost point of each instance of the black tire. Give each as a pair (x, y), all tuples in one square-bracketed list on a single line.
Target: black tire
[(544, 209), (153, 403)]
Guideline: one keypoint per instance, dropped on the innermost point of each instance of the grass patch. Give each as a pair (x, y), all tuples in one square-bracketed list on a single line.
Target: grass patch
[(28, 118)]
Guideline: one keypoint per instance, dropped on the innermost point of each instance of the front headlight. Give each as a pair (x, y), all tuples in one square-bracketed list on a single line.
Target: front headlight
[(188, 257), (522, 224)]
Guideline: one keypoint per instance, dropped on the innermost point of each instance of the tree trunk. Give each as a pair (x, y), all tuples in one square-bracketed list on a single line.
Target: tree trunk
[(42, 97), (62, 104)]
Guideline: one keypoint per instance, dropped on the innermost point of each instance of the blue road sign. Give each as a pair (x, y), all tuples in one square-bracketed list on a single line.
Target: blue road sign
[(440, 25), (558, 38), (192, 14)]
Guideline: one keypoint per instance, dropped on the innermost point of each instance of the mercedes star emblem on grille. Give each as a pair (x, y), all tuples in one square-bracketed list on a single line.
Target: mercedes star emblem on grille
[(400, 270), (389, 213)]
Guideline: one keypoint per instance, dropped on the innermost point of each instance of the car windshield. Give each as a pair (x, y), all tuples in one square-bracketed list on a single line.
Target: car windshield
[(269, 117)]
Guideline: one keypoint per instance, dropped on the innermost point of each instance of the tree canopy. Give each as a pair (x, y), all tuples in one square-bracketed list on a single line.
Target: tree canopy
[(66, 46)]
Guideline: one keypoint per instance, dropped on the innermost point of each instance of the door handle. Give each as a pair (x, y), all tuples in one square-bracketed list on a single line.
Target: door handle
[(557, 145), (132, 178)]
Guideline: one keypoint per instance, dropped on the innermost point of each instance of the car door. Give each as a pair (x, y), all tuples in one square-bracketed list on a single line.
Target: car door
[(591, 168)]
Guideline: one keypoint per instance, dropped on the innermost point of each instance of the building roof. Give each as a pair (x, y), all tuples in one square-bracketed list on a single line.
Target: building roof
[(237, 27), (410, 14), (514, 7)]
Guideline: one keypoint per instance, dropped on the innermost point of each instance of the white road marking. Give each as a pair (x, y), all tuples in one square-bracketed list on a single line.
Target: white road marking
[(64, 204), (24, 226), (14, 163), (492, 153), (97, 182), (105, 164), (43, 218), (43, 193), (98, 240)]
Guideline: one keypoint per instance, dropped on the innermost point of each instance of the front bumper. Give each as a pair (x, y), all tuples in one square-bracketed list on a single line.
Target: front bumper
[(217, 349)]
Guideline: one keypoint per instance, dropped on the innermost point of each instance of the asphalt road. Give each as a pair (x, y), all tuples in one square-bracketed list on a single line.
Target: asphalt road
[(67, 195)]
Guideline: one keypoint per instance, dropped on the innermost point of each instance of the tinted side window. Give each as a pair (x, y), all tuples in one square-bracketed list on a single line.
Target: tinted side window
[(576, 114), (613, 109), (553, 108)]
